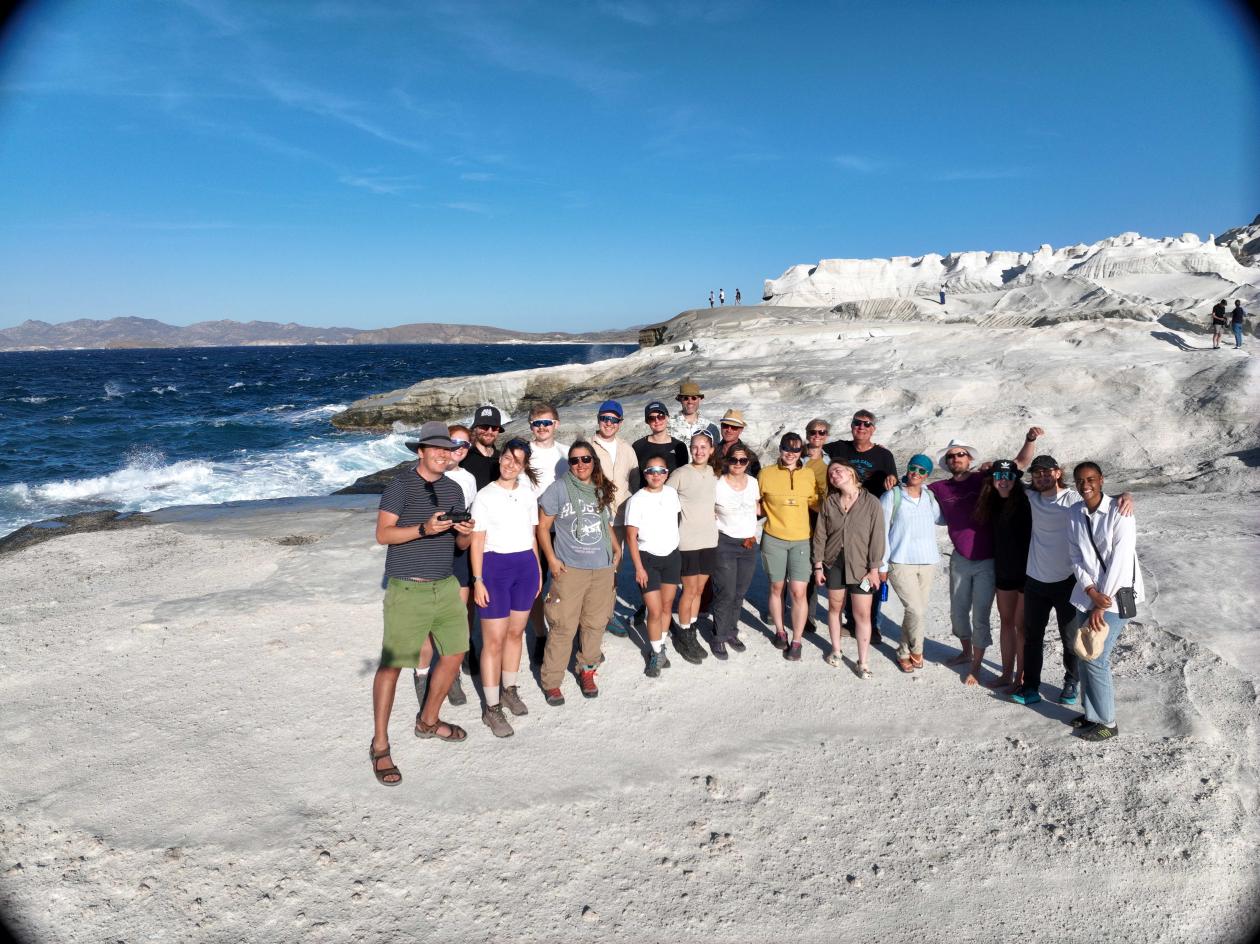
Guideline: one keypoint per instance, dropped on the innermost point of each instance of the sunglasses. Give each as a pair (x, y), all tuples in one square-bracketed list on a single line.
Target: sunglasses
[(789, 449), (457, 444), (729, 426), (861, 424), (497, 429), (543, 423), (581, 460), (689, 397), (1003, 475), (816, 432), (743, 461), (520, 444), (957, 455), (653, 417), (916, 470), (610, 419), (655, 470)]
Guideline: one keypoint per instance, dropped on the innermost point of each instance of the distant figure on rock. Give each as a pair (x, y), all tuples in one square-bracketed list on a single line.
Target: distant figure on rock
[(736, 296), (942, 296), (1236, 321), (710, 298), (721, 296), (1218, 323)]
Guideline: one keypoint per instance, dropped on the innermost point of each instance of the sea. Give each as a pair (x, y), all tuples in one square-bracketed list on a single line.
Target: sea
[(136, 430)]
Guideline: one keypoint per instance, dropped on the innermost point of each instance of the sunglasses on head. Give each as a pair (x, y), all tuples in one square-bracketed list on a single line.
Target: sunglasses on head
[(610, 418), (862, 424), (916, 470), (581, 460), (459, 444), (655, 470), (544, 423), (520, 444)]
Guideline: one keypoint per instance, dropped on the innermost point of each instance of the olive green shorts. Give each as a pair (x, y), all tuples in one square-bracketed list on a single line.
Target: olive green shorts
[(785, 559), (414, 610)]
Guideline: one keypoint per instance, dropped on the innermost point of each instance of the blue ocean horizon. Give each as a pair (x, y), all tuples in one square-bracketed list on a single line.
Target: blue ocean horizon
[(137, 430)]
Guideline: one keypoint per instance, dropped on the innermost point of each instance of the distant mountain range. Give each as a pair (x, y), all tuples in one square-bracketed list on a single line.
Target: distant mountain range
[(146, 332)]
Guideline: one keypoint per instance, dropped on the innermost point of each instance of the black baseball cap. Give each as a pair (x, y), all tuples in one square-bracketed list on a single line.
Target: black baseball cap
[(1044, 462)]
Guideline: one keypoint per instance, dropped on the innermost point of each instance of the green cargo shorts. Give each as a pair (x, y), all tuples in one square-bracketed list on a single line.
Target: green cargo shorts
[(415, 609), (785, 559)]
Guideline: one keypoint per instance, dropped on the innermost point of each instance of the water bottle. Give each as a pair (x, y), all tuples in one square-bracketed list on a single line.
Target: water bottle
[(883, 592)]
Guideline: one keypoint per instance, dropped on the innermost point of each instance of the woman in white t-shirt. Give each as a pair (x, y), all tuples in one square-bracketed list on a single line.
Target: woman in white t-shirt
[(737, 501), (695, 484), (506, 578), (652, 515)]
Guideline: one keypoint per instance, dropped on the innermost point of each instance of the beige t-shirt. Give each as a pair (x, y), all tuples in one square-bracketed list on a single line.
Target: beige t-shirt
[(697, 490)]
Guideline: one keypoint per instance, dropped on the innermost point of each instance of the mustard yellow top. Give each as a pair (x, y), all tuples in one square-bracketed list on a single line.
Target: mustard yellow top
[(787, 498)]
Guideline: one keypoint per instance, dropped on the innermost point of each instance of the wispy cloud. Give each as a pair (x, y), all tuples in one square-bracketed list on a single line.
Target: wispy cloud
[(382, 185), (655, 12), (477, 176), (337, 107), (981, 173), (859, 163), (631, 11), (478, 208)]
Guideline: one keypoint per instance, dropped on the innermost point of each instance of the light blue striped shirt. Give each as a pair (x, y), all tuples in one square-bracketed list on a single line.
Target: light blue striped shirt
[(911, 538)]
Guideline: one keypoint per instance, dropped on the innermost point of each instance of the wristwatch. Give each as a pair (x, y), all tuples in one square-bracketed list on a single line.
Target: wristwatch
[(474, 579)]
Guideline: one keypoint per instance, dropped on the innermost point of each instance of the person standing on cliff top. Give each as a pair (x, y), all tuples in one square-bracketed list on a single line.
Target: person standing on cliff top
[(688, 422), (721, 296), (1236, 321), (422, 595), (1218, 323), (736, 296), (710, 298), (483, 458)]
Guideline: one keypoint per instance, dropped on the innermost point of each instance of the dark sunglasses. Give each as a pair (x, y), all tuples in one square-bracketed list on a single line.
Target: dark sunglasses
[(689, 397), (789, 449), (729, 426), (916, 470), (655, 470), (520, 444), (581, 460), (610, 418), (1004, 475), (862, 424), (743, 461), (958, 455), (460, 444), (536, 423), (497, 429), (656, 416), (815, 432)]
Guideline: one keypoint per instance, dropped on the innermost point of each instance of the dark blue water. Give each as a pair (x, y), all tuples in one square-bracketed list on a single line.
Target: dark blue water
[(137, 430)]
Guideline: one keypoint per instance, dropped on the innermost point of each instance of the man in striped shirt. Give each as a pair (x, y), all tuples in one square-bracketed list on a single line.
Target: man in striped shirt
[(417, 523)]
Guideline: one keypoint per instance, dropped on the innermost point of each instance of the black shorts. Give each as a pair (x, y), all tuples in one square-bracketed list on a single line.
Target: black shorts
[(835, 579), (661, 569), (1011, 583), (699, 563), (461, 568)]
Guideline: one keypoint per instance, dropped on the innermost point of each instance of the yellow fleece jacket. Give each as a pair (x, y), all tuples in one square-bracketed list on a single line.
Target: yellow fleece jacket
[(787, 498)]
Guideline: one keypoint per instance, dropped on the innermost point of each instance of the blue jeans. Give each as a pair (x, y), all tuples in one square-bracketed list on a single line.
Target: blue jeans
[(1237, 335), (1098, 696)]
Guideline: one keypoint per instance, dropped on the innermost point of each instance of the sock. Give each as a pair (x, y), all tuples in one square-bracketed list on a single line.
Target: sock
[(492, 695), (508, 679), (687, 625), (422, 670), (658, 645)]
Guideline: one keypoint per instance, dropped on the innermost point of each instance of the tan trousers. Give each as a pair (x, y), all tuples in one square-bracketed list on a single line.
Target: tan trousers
[(579, 600), (912, 583)]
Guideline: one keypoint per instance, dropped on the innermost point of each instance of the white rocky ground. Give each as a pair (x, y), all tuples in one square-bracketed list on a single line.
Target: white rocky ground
[(187, 704)]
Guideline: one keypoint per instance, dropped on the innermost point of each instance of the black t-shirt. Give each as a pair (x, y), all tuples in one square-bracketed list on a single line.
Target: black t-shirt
[(675, 456), (1218, 313), (484, 469), (1012, 532), (873, 466)]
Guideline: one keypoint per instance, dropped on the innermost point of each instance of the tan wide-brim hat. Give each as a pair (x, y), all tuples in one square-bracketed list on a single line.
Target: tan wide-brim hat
[(733, 418), (689, 388)]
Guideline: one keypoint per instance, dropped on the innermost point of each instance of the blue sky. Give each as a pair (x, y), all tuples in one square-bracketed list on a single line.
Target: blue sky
[(577, 165)]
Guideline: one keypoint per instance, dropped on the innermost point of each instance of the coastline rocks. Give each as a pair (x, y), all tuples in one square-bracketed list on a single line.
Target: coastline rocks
[(375, 482), (40, 531)]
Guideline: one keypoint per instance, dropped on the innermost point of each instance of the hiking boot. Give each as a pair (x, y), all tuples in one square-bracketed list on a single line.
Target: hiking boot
[(694, 639), (422, 686), (616, 627), (719, 650), (656, 662), (1069, 693), (508, 695), (586, 681), (682, 645), (793, 652), (554, 696), (780, 640), (456, 694), (1026, 696), (492, 718), (1100, 732), (736, 644)]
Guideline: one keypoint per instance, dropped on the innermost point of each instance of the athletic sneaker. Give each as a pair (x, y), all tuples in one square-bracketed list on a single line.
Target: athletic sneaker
[(456, 695), (1069, 693), (554, 696), (793, 652), (780, 640), (422, 686), (1080, 722), (509, 696), (655, 664), (492, 718), (586, 681), (736, 643), (1100, 732), (719, 650), (1026, 696), (616, 627)]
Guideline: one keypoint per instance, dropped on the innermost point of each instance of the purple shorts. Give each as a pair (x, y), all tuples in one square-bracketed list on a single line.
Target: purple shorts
[(512, 582)]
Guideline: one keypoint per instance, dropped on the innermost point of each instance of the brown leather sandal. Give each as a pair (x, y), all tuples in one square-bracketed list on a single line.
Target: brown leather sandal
[(454, 731), (383, 772), (916, 660), (905, 665)]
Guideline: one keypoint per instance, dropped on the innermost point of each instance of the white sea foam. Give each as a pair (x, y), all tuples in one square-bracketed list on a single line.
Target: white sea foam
[(35, 399), (114, 390)]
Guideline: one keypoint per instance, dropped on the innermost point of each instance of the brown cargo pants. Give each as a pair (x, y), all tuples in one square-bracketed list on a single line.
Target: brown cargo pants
[(578, 600)]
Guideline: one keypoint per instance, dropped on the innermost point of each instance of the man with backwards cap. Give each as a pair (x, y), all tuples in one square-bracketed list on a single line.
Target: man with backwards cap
[(688, 422), (972, 583), (617, 459), (1050, 575), (422, 595), (483, 458)]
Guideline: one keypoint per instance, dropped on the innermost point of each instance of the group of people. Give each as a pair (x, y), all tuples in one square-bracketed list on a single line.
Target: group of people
[(721, 297), (1220, 318), (534, 531)]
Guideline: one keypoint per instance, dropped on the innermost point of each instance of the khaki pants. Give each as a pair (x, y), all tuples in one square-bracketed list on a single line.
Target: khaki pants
[(578, 600), (912, 583)]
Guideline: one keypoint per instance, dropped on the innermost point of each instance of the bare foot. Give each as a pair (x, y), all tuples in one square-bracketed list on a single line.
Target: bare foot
[(959, 659), (970, 679), (998, 682)]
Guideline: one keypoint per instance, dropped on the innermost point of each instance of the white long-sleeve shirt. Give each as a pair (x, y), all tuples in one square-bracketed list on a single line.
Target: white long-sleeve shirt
[(911, 538), (1116, 537)]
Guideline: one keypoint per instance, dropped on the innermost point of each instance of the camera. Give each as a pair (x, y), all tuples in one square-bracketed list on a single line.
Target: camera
[(455, 517)]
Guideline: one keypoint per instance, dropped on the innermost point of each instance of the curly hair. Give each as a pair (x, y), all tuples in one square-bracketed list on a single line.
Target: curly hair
[(605, 488)]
